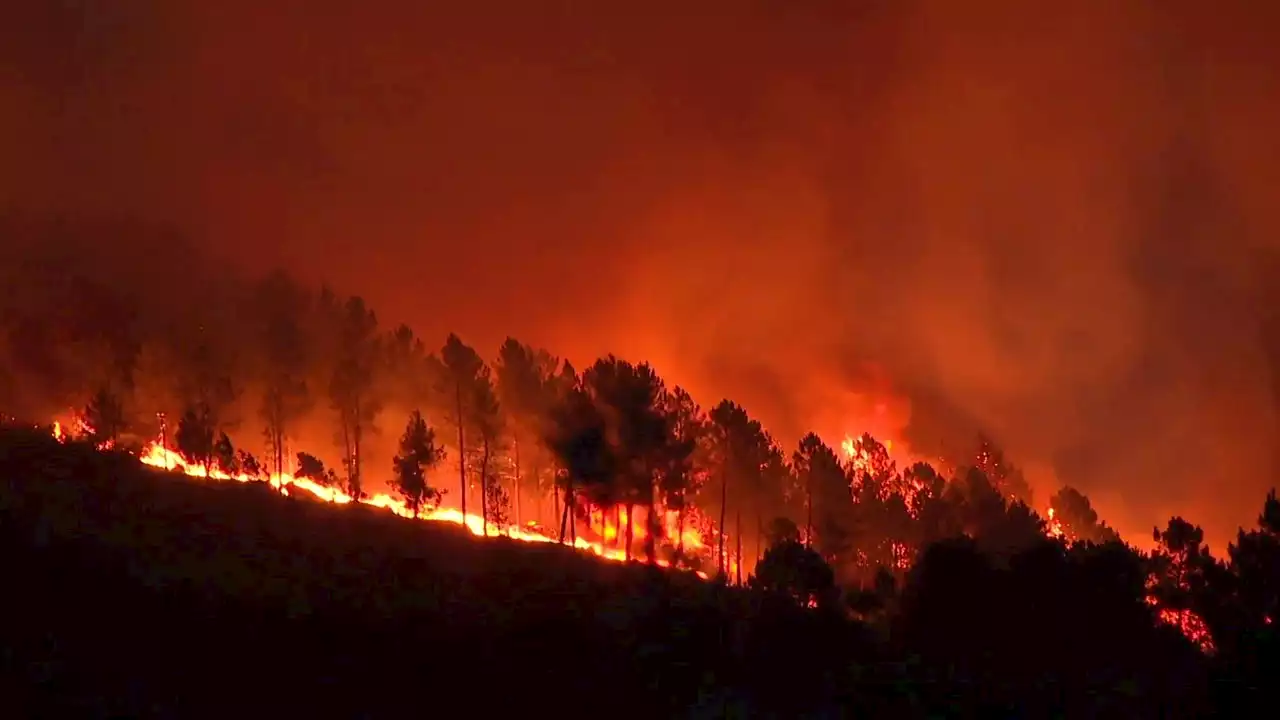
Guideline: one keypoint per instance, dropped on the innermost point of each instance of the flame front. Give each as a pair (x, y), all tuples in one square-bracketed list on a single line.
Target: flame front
[(157, 456)]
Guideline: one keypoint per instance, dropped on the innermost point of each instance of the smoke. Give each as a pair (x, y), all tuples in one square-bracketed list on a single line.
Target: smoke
[(1057, 225)]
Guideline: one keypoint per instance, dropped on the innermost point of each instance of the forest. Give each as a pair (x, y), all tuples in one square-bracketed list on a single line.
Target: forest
[(267, 377)]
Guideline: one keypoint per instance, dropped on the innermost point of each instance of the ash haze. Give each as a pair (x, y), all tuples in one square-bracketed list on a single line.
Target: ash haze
[(1058, 224)]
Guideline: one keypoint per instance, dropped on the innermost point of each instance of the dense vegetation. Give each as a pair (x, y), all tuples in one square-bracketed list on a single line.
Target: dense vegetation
[(140, 594), (841, 577)]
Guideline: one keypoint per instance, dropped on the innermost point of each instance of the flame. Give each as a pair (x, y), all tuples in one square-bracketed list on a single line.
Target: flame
[(611, 525), (157, 456), (1053, 528)]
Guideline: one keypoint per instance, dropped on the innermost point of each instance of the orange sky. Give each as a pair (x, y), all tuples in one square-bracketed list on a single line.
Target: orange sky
[(1054, 223)]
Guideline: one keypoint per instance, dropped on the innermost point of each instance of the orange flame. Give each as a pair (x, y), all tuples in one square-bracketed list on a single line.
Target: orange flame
[(154, 455)]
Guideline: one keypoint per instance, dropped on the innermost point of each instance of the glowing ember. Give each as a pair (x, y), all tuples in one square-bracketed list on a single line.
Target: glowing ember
[(1054, 526)]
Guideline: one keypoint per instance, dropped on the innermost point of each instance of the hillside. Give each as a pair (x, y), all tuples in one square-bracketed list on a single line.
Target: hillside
[(136, 592)]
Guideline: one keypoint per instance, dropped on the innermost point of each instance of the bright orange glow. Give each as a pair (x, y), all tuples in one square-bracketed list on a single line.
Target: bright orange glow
[(1189, 623), (156, 456), (611, 526), (1054, 526)]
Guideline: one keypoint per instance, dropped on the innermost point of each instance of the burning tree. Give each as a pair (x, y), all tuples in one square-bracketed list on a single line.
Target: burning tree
[(417, 457)]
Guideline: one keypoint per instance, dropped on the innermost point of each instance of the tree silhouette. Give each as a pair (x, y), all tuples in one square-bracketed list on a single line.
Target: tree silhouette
[(195, 436), (418, 456), (557, 394), (498, 504), (312, 468), (281, 308), (351, 387), (791, 569), (406, 374), (830, 502), (487, 419), (207, 374), (522, 377), (681, 476), (578, 438), (458, 371), (224, 454), (738, 451), (1077, 518), (629, 397), (769, 493), (1255, 560), (104, 417), (250, 466), (1002, 474)]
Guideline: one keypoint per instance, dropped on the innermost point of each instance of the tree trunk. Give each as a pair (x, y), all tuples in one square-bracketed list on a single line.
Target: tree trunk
[(484, 489), (346, 446), (555, 506), (653, 530), (357, 431), (808, 523), (724, 509), (738, 542), (516, 442), (759, 537), (537, 494), (278, 430), (462, 448), (564, 518), (680, 529), (626, 553)]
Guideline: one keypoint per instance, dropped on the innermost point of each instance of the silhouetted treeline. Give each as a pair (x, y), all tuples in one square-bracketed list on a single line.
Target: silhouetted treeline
[(212, 599), (268, 376), (253, 374)]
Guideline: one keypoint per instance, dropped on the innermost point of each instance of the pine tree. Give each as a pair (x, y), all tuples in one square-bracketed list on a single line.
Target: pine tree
[(418, 455)]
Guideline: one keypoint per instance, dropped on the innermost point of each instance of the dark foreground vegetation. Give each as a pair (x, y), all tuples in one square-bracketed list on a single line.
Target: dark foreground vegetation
[(131, 592)]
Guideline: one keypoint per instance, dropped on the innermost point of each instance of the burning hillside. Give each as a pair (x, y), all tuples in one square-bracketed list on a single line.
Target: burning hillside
[(601, 525)]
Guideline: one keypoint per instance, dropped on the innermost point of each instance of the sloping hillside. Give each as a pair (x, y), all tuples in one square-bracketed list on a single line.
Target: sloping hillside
[(141, 593)]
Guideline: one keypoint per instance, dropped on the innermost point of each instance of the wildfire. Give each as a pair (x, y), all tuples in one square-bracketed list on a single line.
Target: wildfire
[(611, 526), (853, 449), (1054, 526), (157, 456)]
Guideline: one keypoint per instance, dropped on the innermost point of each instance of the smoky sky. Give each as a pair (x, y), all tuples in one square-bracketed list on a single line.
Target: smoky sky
[(1056, 223)]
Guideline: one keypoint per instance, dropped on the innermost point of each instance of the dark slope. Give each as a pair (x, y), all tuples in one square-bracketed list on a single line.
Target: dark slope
[(132, 592)]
